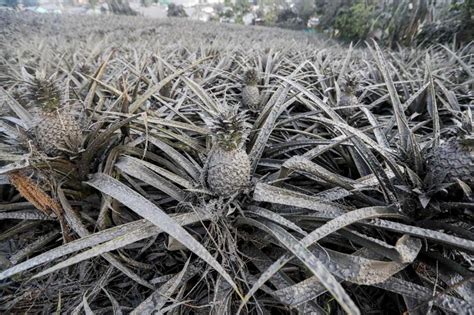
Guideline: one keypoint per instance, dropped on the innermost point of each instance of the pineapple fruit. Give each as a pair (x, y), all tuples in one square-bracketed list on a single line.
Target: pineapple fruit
[(348, 98), (250, 93), (55, 129), (454, 158), (227, 169)]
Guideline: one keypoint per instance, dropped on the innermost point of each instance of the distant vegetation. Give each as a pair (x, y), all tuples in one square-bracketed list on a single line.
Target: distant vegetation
[(176, 10), (391, 23), (401, 22)]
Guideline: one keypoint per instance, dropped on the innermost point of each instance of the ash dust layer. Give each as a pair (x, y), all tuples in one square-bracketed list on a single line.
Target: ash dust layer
[(183, 167)]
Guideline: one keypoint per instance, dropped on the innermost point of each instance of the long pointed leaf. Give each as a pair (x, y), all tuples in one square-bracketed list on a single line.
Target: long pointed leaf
[(154, 214)]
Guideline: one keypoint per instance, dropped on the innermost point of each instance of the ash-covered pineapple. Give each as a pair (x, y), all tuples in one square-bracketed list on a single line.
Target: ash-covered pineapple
[(454, 158), (250, 93), (227, 169), (56, 130), (348, 88)]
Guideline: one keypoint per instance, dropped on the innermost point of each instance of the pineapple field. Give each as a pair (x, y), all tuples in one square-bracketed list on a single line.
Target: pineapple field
[(179, 167)]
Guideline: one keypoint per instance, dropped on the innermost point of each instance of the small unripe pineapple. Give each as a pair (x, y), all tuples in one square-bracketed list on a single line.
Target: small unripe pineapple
[(455, 157), (250, 93), (55, 130), (227, 169), (348, 98)]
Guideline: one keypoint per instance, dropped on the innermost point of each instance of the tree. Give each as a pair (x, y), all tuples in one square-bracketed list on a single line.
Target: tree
[(242, 6), (176, 10), (304, 9), (121, 7)]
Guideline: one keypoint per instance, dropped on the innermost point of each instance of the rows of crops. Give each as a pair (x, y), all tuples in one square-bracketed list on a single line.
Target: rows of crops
[(184, 167)]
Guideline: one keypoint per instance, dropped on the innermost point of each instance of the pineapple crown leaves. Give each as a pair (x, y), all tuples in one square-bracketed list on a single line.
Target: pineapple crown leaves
[(84, 68), (413, 186), (350, 83), (410, 158), (42, 90), (229, 128), (251, 77)]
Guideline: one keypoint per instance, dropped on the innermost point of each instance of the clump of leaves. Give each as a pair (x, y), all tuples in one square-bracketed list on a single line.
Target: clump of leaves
[(354, 23)]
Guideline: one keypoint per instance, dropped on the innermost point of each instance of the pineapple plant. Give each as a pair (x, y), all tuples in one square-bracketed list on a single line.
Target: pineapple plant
[(55, 129), (227, 169), (348, 98), (454, 159), (250, 93)]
